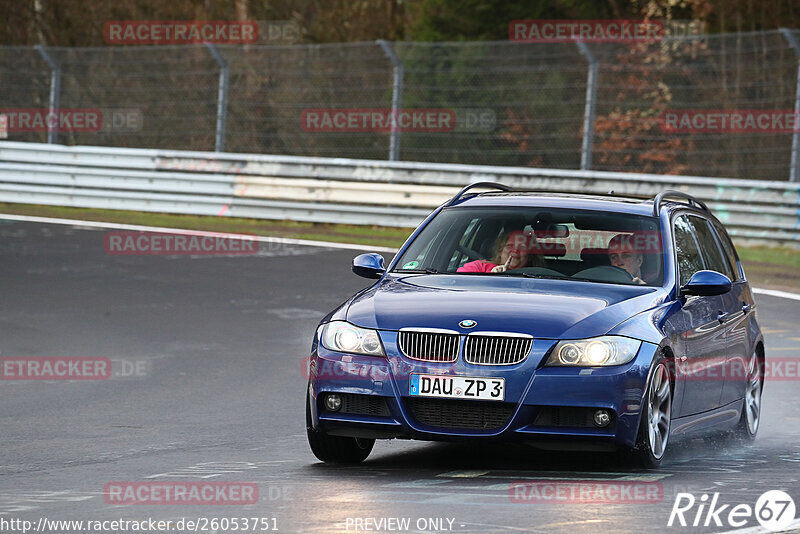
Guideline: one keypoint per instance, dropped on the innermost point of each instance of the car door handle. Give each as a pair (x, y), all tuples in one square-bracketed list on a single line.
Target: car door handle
[(722, 317)]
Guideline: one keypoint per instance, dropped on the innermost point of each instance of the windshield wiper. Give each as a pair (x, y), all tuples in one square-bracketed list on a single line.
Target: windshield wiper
[(541, 276), (554, 277), (418, 271)]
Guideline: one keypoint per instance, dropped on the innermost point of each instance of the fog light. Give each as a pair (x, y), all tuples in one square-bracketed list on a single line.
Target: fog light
[(333, 402), (602, 418)]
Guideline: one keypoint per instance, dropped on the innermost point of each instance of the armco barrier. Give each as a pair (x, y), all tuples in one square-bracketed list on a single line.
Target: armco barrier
[(344, 190)]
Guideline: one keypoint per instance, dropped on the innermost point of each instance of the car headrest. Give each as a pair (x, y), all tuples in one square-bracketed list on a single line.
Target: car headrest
[(595, 255), (651, 265), (487, 249)]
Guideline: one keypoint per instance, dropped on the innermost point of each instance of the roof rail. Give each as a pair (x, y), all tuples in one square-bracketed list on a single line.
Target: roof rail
[(495, 185), (659, 199)]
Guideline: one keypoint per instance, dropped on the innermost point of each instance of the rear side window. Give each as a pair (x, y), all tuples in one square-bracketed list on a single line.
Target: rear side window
[(730, 252), (711, 251), (689, 259)]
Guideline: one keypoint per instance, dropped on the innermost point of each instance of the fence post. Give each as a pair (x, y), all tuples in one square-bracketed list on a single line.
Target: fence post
[(397, 98), (222, 97), (588, 112), (793, 169), (55, 95)]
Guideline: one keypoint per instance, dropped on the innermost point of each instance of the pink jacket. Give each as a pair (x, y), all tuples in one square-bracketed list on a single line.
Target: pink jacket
[(477, 266)]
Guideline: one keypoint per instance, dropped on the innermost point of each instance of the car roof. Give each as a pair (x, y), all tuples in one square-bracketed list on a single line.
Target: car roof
[(619, 204)]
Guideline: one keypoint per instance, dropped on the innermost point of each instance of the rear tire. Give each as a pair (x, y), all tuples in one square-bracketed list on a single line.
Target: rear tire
[(654, 425), (747, 427), (335, 449)]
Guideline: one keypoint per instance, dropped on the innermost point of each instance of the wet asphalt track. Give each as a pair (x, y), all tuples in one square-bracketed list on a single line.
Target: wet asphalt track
[(219, 393)]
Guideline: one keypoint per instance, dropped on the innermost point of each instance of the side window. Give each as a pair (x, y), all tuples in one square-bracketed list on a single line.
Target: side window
[(715, 261), (689, 259), (730, 252)]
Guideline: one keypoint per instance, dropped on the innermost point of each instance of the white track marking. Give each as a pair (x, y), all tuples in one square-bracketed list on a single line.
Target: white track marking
[(759, 530), (263, 239), (181, 231), (776, 293)]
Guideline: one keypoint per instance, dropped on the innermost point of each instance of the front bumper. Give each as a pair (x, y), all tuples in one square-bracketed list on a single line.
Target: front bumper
[(543, 405)]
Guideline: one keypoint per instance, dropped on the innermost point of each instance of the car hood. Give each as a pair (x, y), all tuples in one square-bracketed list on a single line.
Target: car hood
[(543, 308)]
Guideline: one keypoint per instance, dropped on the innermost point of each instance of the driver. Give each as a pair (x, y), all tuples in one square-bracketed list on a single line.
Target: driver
[(512, 250), (623, 254)]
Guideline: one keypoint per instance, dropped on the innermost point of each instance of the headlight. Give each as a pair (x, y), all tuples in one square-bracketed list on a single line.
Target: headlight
[(344, 337), (598, 351)]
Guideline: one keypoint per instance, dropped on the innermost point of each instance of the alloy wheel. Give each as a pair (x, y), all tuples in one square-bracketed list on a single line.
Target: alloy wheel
[(752, 397), (659, 409)]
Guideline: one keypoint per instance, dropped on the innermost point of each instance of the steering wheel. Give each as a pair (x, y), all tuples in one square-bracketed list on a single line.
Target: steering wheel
[(605, 273), (471, 254), (620, 269)]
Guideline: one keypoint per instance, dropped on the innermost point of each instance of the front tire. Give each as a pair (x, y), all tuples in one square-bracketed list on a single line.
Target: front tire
[(335, 449), (654, 425)]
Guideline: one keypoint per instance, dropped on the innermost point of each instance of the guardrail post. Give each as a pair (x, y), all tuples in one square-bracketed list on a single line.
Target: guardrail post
[(55, 94), (588, 111), (793, 169), (397, 98), (222, 97)]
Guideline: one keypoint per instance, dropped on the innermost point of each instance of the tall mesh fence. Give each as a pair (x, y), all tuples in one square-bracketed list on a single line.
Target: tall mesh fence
[(514, 103)]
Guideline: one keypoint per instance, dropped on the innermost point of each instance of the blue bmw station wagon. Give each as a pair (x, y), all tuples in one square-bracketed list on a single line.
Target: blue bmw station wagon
[(588, 322)]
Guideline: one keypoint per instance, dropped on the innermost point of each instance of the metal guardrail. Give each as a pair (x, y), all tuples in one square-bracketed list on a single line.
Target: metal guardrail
[(344, 190)]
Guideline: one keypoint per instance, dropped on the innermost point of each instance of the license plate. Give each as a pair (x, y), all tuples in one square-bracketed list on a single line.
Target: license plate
[(457, 387)]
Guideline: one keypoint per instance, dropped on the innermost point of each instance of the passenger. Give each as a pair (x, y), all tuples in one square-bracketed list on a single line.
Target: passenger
[(512, 250), (623, 254)]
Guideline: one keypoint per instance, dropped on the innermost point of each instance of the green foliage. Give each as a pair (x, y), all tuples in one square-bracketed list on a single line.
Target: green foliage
[(514, 82), (80, 22), (460, 20)]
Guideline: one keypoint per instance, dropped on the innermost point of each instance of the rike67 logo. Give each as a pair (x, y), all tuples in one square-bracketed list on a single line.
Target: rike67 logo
[(774, 510)]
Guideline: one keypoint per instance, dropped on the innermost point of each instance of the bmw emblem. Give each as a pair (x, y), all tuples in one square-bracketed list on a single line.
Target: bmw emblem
[(467, 323)]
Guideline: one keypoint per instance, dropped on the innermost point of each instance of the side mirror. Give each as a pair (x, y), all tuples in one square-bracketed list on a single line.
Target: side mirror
[(707, 284), (369, 265)]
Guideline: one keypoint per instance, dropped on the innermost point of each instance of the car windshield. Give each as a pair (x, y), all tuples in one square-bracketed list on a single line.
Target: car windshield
[(569, 244)]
